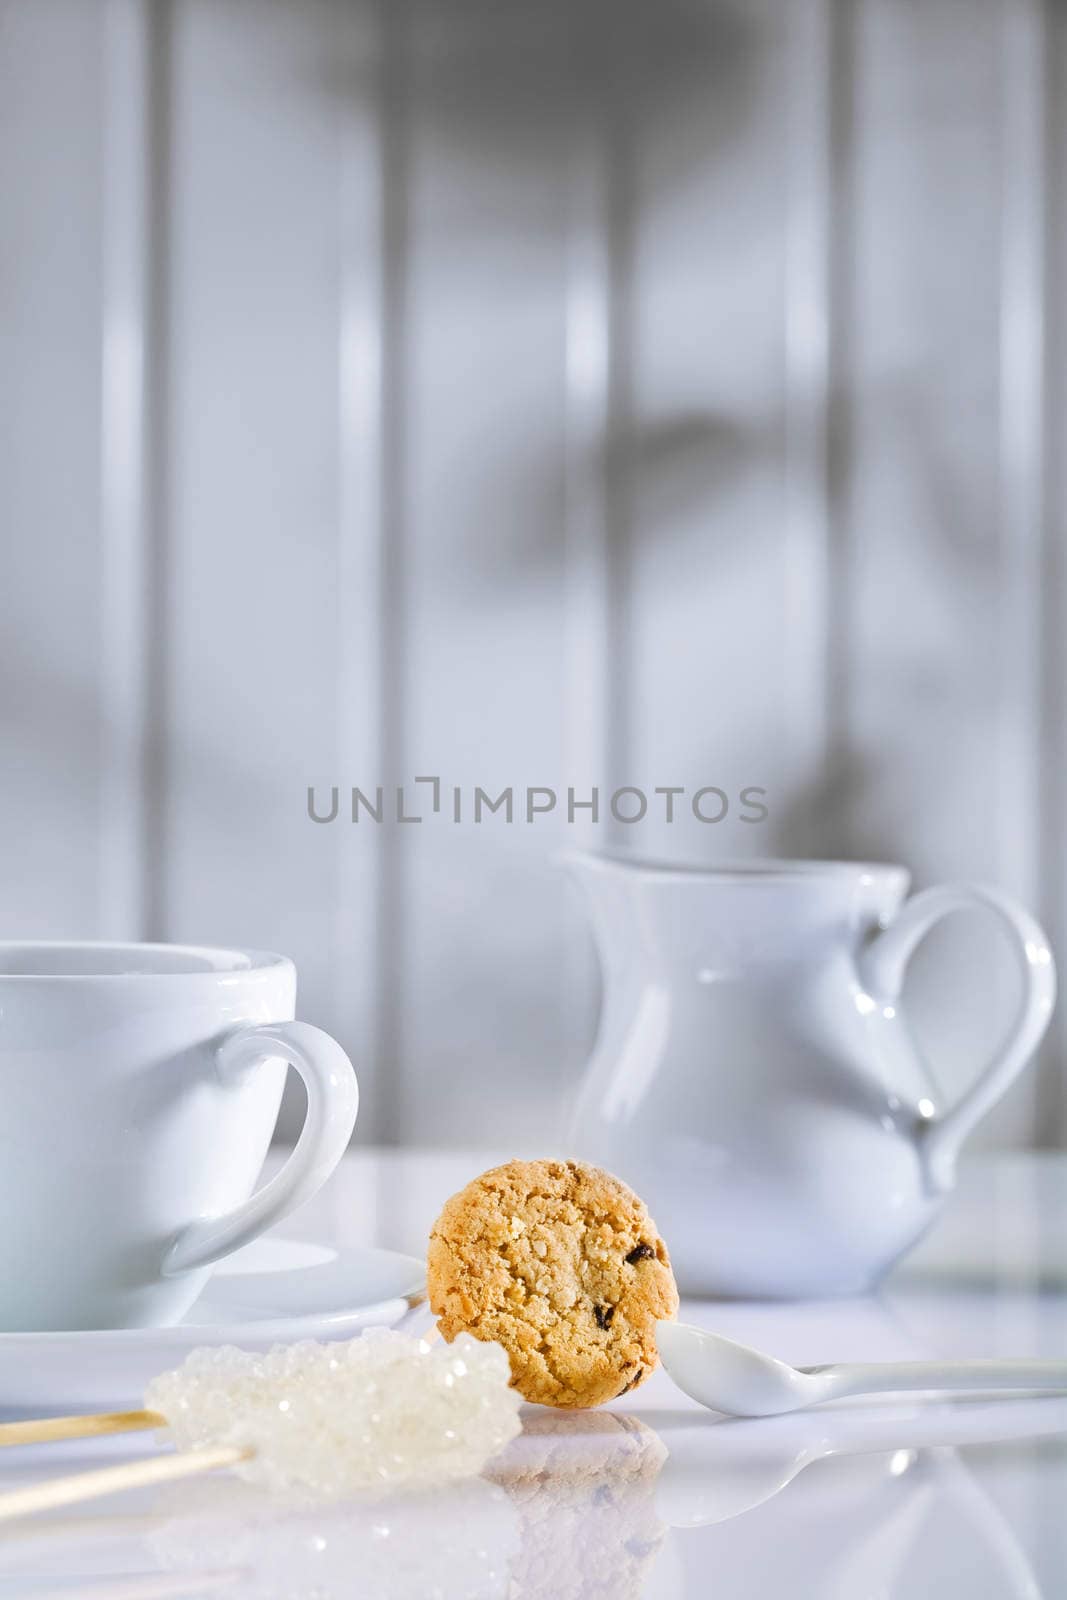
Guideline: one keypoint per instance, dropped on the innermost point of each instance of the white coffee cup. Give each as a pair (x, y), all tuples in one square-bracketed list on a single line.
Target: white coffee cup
[(139, 1088)]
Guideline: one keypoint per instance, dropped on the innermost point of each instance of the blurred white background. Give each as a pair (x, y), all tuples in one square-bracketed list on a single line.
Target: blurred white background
[(649, 392)]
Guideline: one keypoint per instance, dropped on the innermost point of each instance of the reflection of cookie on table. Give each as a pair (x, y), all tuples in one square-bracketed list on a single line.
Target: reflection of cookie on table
[(584, 1489), (562, 1265)]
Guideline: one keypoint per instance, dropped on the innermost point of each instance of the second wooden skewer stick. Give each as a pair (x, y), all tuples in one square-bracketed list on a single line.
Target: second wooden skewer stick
[(128, 1475)]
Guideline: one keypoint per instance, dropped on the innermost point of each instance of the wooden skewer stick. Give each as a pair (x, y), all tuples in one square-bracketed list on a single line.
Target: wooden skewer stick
[(45, 1430), (81, 1486)]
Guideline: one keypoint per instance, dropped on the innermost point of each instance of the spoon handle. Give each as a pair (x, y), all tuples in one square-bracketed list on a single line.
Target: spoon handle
[(848, 1378)]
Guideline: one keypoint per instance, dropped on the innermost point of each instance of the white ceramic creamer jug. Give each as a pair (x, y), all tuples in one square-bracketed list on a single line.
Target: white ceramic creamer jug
[(754, 1077)]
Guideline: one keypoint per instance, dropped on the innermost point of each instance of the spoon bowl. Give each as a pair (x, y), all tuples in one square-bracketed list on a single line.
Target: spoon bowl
[(733, 1378)]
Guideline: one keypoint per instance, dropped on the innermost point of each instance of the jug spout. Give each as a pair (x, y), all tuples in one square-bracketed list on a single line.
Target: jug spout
[(589, 867), (603, 882)]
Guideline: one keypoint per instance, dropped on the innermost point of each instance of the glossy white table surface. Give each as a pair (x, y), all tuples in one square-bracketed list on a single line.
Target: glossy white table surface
[(653, 1496)]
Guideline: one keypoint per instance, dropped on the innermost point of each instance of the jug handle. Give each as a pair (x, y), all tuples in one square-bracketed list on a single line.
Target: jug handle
[(882, 965)]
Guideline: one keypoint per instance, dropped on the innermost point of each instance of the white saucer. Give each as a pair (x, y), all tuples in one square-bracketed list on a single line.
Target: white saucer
[(274, 1291)]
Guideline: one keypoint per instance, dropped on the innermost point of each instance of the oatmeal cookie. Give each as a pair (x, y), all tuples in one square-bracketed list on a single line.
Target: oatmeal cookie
[(562, 1265)]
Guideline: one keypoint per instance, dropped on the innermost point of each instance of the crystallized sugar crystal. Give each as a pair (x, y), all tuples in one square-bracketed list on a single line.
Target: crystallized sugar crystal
[(379, 1412)]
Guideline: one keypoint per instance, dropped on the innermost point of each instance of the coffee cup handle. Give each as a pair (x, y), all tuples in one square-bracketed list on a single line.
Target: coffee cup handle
[(882, 966), (332, 1103)]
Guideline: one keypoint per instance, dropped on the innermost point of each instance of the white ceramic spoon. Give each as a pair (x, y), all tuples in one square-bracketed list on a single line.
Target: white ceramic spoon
[(741, 1382)]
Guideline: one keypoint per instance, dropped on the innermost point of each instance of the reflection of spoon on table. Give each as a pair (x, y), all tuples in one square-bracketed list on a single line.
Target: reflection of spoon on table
[(720, 1470)]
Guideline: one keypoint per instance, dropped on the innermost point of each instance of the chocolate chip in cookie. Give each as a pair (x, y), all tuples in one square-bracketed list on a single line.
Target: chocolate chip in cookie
[(640, 1252)]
